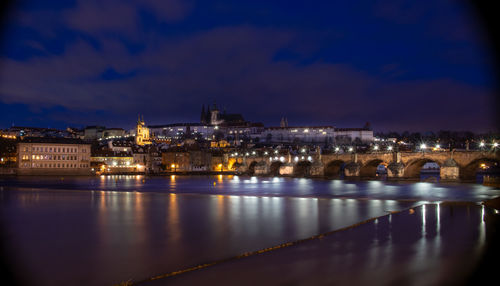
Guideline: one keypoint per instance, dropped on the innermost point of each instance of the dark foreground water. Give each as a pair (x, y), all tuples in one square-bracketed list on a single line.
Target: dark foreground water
[(106, 230), (432, 244)]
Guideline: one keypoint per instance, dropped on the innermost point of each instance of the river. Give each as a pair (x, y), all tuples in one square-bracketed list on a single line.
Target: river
[(109, 229)]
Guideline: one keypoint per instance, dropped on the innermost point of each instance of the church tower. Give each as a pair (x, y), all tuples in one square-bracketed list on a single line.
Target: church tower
[(141, 132), (203, 116), (284, 122), (214, 115)]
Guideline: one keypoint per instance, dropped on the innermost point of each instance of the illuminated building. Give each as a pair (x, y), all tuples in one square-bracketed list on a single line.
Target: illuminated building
[(53, 156), (298, 134), (352, 134), (142, 133), (178, 131), (114, 162)]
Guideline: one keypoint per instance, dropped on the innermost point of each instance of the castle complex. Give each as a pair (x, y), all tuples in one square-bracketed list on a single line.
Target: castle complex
[(216, 125)]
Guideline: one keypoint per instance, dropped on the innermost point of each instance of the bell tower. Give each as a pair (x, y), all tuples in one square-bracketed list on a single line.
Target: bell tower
[(141, 132), (214, 115)]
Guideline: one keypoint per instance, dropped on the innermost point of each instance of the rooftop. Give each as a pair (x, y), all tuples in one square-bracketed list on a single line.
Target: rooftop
[(52, 140)]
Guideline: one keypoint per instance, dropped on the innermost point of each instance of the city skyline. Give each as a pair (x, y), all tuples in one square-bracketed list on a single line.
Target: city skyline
[(399, 66), (249, 142)]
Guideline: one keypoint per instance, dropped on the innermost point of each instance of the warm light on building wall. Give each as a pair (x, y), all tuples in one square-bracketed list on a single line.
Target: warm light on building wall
[(142, 136)]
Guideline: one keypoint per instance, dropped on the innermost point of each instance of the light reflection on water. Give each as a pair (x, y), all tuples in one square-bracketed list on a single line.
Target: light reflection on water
[(263, 187), (137, 227), (392, 250)]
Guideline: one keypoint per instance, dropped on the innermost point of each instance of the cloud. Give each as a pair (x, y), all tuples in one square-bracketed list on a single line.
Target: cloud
[(169, 10), (170, 80), (171, 76), (102, 16), (122, 17)]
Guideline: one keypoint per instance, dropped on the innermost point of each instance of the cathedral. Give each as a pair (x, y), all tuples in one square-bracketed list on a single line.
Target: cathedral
[(212, 116)]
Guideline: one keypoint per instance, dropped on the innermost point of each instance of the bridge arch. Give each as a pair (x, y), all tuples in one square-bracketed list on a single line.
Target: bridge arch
[(302, 169), (274, 168), (235, 166), (335, 169), (251, 168), (413, 168), (369, 169), (469, 171)]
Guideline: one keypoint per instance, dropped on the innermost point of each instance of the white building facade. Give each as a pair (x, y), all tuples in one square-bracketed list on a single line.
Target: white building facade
[(39, 156)]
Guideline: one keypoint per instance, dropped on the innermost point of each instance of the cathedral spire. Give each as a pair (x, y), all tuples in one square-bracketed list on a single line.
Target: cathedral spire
[(284, 122), (202, 116)]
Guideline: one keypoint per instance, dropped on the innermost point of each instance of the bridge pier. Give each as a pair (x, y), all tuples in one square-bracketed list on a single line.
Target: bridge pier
[(243, 168), (352, 169), (395, 170), (261, 168), (449, 171), (286, 169), (317, 169)]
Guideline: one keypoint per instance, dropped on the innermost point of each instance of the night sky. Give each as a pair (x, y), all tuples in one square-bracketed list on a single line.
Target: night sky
[(401, 65)]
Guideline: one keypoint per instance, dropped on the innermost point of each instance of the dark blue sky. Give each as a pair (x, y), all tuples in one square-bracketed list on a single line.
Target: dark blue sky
[(402, 65)]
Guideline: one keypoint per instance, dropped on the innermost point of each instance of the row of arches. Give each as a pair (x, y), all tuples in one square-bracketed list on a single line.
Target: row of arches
[(301, 168), (423, 169)]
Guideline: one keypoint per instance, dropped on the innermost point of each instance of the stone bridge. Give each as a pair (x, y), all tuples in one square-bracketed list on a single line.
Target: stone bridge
[(454, 165)]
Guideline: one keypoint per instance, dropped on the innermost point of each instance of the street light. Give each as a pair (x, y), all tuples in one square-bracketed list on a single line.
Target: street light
[(389, 148), (423, 146), (375, 147)]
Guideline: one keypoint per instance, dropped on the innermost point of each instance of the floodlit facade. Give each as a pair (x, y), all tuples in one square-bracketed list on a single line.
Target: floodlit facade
[(142, 133), (53, 156), (298, 134), (178, 130), (352, 134)]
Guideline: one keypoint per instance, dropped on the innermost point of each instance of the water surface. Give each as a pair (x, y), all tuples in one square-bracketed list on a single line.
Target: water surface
[(104, 230)]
